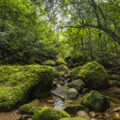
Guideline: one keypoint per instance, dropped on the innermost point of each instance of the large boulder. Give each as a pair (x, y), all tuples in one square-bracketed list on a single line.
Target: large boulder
[(48, 113), (94, 75), (20, 83), (96, 101)]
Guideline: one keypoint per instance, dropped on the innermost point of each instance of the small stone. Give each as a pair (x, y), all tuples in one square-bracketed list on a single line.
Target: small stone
[(92, 114), (61, 79), (83, 114), (72, 93), (77, 84)]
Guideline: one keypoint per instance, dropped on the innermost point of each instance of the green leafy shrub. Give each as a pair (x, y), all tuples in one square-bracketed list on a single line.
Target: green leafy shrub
[(19, 83)]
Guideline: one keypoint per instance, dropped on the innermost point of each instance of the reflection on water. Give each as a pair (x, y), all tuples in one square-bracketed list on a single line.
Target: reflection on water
[(58, 102)]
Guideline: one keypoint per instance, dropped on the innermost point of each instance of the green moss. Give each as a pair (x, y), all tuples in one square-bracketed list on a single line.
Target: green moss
[(49, 62), (94, 75), (48, 113), (60, 61), (96, 101), (63, 68), (73, 118), (74, 108), (114, 77), (75, 71), (19, 83), (30, 107)]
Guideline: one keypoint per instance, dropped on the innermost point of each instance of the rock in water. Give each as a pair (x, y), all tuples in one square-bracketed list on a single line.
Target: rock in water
[(83, 114), (96, 101), (72, 93), (77, 84), (94, 75)]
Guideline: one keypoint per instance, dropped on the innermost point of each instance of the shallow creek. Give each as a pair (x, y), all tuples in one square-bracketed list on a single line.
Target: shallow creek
[(113, 113)]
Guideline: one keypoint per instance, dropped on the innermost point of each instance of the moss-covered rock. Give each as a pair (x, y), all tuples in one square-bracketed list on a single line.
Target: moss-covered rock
[(74, 118), (94, 75), (19, 83), (63, 68), (74, 72), (29, 108), (60, 61), (77, 84), (48, 113), (74, 108), (96, 101), (49, 62), (114, 77)]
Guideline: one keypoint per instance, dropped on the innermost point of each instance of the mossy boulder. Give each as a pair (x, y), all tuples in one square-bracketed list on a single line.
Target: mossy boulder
[(114, 77), (49, 62), (48, 113), (20, 83), (29, 108), (63, 68), (94, 75), (74, 118), (96, 101), (60, 61), (77, 84), (74, 72), (74, 108)]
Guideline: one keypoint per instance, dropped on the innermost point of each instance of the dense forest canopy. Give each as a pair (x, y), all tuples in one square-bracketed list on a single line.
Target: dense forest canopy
[(32, 31)]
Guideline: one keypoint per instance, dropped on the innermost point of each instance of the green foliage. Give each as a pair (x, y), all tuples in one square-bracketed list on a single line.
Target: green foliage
[(94, 75), (25, 35), (96, 101), (47, 113), (19, 83)]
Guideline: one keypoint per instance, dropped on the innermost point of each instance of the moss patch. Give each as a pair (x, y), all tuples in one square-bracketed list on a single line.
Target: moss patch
[(94, 75), (48, 113), (49, 62), (18, 83), (96, 101), (74, 72), (29, 107), (73, 118), (60, 61), (74, 108)]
